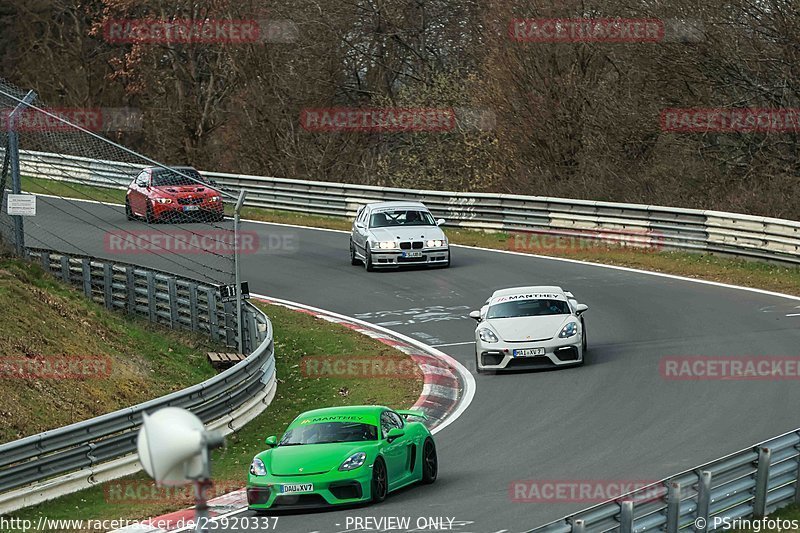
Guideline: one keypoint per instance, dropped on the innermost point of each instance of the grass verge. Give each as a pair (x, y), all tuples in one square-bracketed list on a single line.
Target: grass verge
[(297, 335), (116, 361)]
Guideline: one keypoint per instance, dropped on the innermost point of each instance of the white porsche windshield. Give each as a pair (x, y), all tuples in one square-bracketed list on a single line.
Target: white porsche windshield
[(520, 308), (401, 217)]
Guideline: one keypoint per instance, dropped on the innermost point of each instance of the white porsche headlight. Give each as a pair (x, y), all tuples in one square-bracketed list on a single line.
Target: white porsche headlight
[(487, 335), (569, 330)]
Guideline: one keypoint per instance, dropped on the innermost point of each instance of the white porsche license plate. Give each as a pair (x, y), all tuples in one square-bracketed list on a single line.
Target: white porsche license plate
[(528, 352), (294, 488), (191, 208), (412, 254)]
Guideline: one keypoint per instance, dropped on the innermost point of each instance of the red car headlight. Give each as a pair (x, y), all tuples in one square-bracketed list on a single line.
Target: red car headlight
[(214, 199), (164, 200)]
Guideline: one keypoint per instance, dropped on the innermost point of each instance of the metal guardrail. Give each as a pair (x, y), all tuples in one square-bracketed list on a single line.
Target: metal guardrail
[(639, 225), (752, 482), (163, 298)]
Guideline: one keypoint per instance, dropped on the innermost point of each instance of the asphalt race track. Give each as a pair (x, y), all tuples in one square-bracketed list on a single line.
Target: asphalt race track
[(615, 418)]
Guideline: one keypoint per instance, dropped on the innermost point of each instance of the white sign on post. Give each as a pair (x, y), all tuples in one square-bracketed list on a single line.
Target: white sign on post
[(22, 204)]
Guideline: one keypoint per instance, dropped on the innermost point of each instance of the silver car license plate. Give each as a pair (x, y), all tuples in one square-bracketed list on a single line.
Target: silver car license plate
[(528, 352), (412, 254)]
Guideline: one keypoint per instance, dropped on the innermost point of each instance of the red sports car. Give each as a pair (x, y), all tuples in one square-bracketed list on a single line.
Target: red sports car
[(158, 194)]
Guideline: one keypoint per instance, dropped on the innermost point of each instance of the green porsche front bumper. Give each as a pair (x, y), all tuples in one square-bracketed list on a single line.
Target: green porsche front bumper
[(293, 492)]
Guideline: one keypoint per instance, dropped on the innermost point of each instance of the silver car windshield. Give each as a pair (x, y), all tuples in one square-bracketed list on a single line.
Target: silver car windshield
[(528, 308), (401, 217)]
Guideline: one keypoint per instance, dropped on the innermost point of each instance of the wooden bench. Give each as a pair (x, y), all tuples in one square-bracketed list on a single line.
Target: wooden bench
[(222, 361)]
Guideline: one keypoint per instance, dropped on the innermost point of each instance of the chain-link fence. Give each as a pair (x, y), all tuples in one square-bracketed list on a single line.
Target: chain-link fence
[(168, 217)]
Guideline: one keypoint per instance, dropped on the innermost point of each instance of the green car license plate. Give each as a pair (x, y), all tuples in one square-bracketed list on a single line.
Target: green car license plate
[(295, 488)]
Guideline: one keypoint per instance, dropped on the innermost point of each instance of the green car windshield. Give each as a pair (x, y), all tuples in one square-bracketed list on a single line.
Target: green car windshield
[(328, 432)]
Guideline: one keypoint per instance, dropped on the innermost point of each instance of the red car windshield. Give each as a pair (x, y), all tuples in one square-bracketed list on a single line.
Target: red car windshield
[(167, 178)]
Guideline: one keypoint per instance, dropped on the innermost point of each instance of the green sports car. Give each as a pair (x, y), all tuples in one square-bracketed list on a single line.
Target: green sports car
[(340, 456)]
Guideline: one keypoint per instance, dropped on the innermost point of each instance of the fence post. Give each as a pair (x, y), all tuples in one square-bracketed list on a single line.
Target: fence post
[(65, 274), (626, 516), (673, 506), (151, 296), (13, 155), (86, 265), (193, 305), (108, 282), (213, 318), (762, 483), (130, 281), (172, 285), (44, 258), (703, 499)]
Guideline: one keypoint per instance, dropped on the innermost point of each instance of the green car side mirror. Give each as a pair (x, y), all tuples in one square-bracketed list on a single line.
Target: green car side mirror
[(271, 441), (394, 433)]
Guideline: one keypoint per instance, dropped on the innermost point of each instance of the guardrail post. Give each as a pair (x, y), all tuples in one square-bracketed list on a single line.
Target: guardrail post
[(703, 499), (673, 506), (213, 318), (762, 483), (86, 265), (578, 526), (65, 269), (130, 281), (626, 516), (44, 257), (108, 282), (193, 305), (231, 332), (172, 286), (797, 481), (151, 295)]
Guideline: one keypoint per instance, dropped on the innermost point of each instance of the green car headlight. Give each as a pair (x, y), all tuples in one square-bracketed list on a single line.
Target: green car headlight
[(353, 462), (257, 467)]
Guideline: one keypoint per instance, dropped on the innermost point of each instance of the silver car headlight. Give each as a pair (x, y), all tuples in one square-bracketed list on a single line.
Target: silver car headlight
[(487, 335), (432, 243), (387, 245), (569, 330)]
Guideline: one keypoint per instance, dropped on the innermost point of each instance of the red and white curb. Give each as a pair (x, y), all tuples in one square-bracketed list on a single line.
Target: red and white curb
[(447, 390)]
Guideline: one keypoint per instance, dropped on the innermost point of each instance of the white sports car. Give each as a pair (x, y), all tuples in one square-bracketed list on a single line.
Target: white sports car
[(530, 327), (391, 234)]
